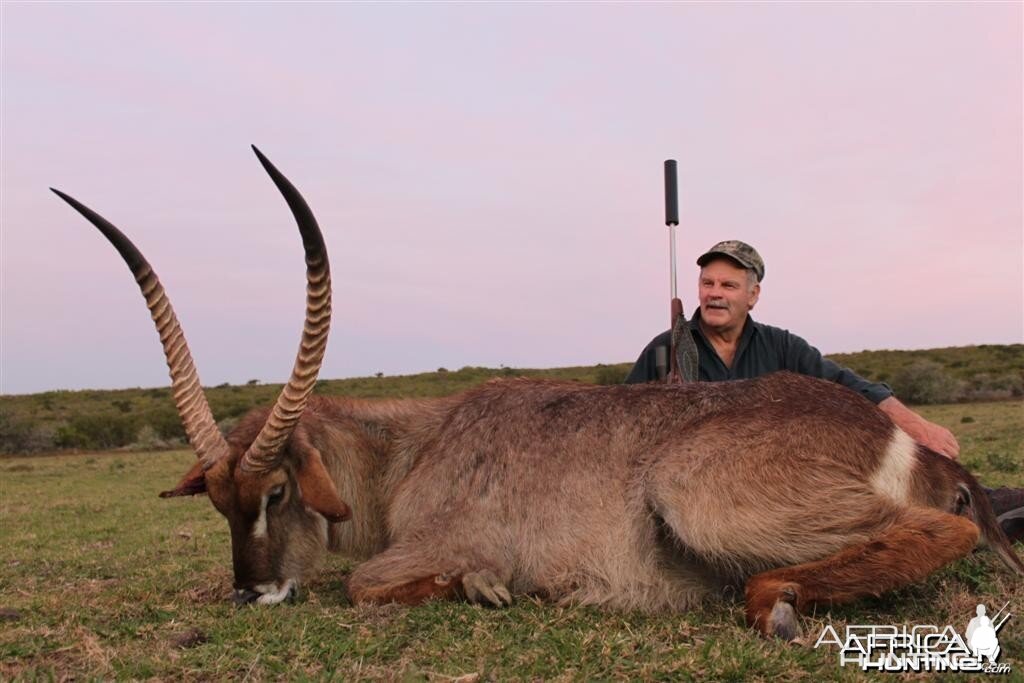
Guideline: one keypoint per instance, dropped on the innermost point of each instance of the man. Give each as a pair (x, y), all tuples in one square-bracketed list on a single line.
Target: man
[(730, 345)]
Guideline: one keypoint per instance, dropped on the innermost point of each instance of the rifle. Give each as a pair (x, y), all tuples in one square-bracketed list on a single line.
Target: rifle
[(683, 356)]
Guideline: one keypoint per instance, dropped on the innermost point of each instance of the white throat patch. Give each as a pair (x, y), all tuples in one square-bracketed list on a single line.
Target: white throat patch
[(892, 479)]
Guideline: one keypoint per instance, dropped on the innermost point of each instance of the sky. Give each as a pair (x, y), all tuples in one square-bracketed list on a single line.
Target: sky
[(488, 178)]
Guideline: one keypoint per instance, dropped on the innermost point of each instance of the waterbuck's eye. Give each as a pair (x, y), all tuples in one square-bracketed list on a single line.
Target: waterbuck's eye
[(963, 500), (275, 496)]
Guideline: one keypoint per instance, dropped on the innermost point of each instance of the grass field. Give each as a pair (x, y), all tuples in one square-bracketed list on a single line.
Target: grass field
[(101, 579)]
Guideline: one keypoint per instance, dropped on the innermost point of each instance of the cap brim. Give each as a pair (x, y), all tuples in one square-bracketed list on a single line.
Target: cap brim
[(704, 258)]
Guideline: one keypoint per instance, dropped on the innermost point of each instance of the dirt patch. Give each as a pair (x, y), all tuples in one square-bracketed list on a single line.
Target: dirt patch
[(189, 638)]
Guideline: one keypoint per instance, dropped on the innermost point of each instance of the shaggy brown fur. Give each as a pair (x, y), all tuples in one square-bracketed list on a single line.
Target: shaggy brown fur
[(634, 496)]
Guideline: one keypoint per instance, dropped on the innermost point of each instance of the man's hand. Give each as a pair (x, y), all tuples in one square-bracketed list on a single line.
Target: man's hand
[(935, 437)]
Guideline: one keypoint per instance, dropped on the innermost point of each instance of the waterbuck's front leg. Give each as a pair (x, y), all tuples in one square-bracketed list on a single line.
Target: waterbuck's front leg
[(410, 574), (919, 542)]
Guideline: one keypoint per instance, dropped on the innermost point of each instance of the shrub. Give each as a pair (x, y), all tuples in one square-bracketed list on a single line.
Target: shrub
[(166, 423), (988, 386), (122, 404), (97, 431), (22, 436), (232, 409), (609, 374), (925, 381), (147, 439)]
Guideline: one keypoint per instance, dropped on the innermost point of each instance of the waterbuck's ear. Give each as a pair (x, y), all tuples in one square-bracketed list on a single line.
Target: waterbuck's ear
[(316, 488), (192, 483)]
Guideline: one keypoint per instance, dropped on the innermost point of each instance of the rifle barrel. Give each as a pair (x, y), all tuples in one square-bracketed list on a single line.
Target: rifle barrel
[(671, 219)]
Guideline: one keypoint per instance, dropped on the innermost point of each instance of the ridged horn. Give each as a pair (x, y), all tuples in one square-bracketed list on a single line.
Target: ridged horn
[(265, 452), (192, 406)]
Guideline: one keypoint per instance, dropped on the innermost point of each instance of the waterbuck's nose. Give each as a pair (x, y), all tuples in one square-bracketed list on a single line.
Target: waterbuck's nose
[(243, 596)]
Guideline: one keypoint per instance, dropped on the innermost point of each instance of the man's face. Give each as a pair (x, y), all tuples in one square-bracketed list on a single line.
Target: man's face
[(725, 295)]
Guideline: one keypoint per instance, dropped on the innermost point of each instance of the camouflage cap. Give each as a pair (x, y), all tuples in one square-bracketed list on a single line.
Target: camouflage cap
[(741, 252)]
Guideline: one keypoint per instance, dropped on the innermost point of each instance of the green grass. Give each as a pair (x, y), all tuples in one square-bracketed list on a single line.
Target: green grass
[(101, 579)]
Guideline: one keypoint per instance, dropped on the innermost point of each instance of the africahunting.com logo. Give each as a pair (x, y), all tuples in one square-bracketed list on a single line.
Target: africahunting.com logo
[(922, 648)]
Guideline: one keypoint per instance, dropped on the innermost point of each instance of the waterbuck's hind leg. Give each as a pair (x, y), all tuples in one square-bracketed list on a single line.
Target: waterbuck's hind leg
[(921, 541), (410, 574)]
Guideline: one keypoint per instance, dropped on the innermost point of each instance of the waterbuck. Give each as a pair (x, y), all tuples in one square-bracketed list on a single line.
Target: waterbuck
[(632, 496)]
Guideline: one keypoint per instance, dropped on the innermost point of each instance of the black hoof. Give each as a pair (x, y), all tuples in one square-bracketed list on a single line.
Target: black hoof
[(784, 623), (244, 596)]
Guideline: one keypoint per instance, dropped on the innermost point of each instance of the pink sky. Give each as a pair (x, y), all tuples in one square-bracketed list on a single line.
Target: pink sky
[(488, 178)]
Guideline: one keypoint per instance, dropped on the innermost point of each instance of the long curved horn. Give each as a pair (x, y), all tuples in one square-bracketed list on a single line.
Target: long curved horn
[(265, 451), (193, 408)]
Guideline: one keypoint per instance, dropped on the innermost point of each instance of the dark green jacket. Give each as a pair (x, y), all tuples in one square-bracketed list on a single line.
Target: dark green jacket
[(762, 349)]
